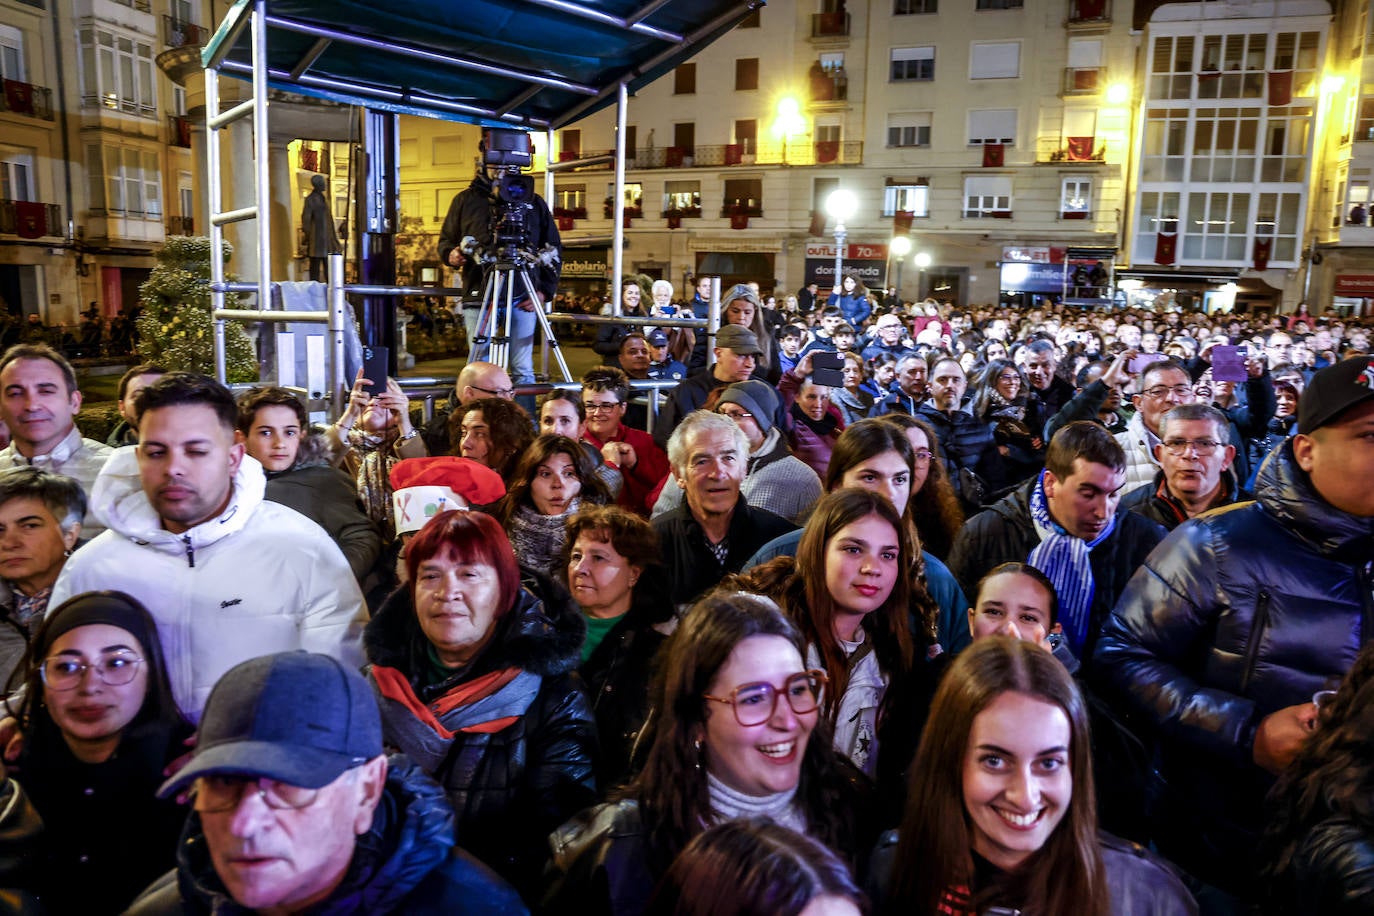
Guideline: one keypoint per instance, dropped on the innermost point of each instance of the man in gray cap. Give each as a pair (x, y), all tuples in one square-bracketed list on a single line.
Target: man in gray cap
[(737, 352), (774, 478), (295, 808), (1238, 617)]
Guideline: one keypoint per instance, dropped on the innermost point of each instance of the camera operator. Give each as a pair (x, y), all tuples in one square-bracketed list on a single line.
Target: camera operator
[(471, 216)]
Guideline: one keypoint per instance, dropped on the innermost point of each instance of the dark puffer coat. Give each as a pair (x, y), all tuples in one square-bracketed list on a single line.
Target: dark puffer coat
[(1239, 613), (510, 788), (405, 864), (1332, 872)]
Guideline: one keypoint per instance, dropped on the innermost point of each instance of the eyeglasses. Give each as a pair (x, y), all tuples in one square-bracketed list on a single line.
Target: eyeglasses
[(496, 392), (1160, 392), (66, 673), (923, 455), (736, 415), (1202, 447), (223, 793), (1009, 377), (754, 704), (601, 408)]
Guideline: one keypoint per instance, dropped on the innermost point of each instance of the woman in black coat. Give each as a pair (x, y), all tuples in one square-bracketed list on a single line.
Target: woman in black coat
[(474, 672)]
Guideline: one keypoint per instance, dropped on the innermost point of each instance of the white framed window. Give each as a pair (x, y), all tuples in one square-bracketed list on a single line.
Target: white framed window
[(987, 196), (1216, 226), (179, 101), (992, 125), (827, 133), (1278, 216), (994, 60), (16, 173), (124, 180), (908, 128), (117, 72), (1076, 197), (913, 64), (186, 195), (409, 204), (831, 61), (571, 197), (12, 54), (912, 198), (1158, 213), (682, 195)]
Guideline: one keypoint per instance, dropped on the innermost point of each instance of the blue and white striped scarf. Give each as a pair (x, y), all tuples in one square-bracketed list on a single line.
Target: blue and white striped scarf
[(1064, 559)]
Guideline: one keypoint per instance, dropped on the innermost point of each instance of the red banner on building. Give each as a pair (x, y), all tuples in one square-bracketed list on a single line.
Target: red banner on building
[(1262, 249), (31, 219), (827, 150), (1280, 87), (19, 97), (994, 155), (1355, 286), (1166, 247), (817, 223), (1080, 149), (901, 222)]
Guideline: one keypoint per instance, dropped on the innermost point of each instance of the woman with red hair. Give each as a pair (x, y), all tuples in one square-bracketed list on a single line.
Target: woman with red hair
[(475, 675)]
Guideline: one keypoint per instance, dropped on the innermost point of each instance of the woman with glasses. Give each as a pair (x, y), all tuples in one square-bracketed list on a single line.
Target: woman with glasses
[(474, 669), (100, 728), (737, 732), (1000, 401), (1001, 817), (553, 479), (633, 452)]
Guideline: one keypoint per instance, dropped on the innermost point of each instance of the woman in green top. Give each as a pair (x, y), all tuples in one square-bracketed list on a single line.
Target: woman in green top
[(612, 575)]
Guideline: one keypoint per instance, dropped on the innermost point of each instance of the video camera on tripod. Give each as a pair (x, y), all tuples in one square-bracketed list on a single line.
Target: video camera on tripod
[(512, 193)]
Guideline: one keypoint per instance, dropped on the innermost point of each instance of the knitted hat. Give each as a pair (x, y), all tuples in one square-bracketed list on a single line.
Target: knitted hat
[(755, 397), (1334, 390), (424, 487)]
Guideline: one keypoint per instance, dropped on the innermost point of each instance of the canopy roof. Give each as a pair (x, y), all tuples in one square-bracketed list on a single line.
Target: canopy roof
[(513, 63)]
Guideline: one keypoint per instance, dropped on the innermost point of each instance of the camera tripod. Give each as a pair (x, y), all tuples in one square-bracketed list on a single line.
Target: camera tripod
[(499, 292)]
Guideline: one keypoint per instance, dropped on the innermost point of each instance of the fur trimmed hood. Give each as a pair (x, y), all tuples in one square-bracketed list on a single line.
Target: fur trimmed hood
[(543, 633)]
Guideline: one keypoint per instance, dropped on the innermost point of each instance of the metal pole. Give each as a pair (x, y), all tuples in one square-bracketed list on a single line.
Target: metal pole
[(549, 191), (712, 322), (262, 174), (618, 205), (840, 235), (898, 294), (215, 190), (334, 293)]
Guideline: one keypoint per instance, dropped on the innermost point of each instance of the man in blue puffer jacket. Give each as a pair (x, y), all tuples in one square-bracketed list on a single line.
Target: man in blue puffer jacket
[(1238, 618)]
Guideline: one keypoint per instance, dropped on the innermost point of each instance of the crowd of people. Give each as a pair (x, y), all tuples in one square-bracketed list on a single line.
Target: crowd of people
[(1003, 610)]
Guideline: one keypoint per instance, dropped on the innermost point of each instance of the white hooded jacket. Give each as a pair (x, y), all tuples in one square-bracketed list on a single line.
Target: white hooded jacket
[(257, 579)]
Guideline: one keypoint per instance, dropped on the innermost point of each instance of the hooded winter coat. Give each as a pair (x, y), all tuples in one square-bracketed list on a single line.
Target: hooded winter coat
[(510, 786), (406, 863), (1237, 614), (256, 579), (325, 495)]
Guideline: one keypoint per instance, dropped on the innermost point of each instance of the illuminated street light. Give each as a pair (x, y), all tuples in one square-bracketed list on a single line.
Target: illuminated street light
[(900, 247), (1118, 93), (841, 205), (788, 123)]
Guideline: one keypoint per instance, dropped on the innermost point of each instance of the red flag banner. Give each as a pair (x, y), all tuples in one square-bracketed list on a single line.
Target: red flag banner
[(674, 220), (673, 157), (1280, 87), (817, 223), (566, 223), (1166, 247), (1089, 10), (827, 150), (901, 222), (1262, 249), (739, 220), (734, 153), (19, 97), (994, 155), (1080, 149), (310, 160), (32, 219)]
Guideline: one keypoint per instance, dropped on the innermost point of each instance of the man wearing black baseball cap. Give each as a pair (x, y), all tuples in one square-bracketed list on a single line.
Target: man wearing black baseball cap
[(1238, 618), (737, 354), (295, 808)]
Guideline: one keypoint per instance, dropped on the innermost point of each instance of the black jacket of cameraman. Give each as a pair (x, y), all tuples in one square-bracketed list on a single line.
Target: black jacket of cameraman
[(470, 214)]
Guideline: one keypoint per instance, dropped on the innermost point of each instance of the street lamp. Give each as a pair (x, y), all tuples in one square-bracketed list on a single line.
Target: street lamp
[(789, 122), (922, 262), (840, 205), (900, 248)]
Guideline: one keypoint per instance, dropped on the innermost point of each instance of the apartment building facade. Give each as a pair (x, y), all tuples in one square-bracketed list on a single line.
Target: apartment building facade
[(95, 149)]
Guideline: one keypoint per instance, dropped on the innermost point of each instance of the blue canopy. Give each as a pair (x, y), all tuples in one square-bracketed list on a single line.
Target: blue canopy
[(513, 63)]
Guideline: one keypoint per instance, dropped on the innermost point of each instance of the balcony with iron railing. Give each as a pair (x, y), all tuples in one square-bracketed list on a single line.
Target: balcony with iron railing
[(30, 219), (829, 86), (829, 25), (797, 152), (1070, 150), (26, 99), (180, 34), (181, 225), (1089, 13), (179, 131), (1084, 80)]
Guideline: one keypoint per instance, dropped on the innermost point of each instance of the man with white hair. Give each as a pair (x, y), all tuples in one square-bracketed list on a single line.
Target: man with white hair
[(715, 531)]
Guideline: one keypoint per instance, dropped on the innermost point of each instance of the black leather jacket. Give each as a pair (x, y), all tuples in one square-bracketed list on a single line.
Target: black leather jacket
[(1239, 613), (1141, 884), (1332, 873), (469, 214)]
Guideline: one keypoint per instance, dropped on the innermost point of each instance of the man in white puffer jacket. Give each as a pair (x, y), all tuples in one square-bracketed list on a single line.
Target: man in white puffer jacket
[(227, 575)]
